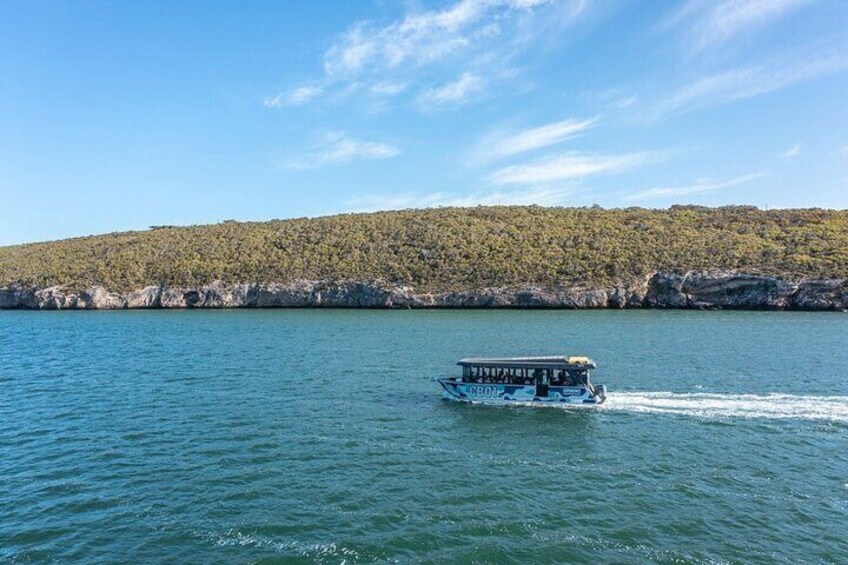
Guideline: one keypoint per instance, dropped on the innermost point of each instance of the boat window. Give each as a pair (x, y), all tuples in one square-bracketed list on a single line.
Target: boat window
[(557, 378), (525, 375)]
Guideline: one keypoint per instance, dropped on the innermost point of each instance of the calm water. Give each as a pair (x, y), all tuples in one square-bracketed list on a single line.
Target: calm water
[(319, 436)]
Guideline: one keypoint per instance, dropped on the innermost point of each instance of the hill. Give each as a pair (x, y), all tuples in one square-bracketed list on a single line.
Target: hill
[(448, 249)]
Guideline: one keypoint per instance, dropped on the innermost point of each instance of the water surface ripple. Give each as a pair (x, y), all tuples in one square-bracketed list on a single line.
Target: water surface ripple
[(319, 437)]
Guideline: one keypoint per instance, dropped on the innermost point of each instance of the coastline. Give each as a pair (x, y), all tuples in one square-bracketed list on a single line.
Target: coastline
[(731, 290)]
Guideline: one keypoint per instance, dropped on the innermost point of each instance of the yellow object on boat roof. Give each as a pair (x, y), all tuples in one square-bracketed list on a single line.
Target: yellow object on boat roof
[(558, 362)]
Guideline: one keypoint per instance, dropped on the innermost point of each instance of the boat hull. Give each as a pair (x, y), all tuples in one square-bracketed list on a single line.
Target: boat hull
[(497, 393)]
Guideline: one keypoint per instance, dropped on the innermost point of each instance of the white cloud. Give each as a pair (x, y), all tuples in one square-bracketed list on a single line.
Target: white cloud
[(543, 196), (612, 98), (624, 102), (425, 46), (296, 97), (421, 37), (740, 83), (708, 24), (701, 186), (792, 152), (338, 148), (569, 166), (388, 88), (454, 92), (505, 144)]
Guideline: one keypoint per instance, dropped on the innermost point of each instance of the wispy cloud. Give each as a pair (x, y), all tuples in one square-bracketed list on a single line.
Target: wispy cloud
[(612, 98), (570, 166), (422, 37), (708, 24), (698, 187), (455, 92), (295, 97), (388, 88), (474, 39), (792, 152), (508, 143), (747, 82), (543, 196), (337, 148), (623, 102)]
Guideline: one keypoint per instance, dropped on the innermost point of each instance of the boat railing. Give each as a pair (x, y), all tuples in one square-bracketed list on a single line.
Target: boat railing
[(458, 380)]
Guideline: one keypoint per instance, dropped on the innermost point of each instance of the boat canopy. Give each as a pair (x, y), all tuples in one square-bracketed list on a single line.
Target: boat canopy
[(554, 362)]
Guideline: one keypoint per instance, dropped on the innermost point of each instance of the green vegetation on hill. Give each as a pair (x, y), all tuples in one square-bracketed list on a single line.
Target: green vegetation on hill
[(448, 248)]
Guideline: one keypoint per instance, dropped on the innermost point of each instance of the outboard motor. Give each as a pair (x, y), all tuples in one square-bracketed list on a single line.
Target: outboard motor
[(601, 392)]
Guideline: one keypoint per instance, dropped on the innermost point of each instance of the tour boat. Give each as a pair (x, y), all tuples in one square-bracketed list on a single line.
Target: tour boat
[(549, 380)]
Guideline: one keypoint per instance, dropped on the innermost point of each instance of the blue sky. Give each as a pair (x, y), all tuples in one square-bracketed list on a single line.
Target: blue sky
[(117, 116)]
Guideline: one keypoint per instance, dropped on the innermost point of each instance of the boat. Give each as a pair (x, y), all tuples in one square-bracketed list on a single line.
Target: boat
[(505, 380)]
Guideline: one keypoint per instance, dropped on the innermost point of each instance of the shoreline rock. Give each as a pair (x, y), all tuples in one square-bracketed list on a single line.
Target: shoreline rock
[(691, 290)]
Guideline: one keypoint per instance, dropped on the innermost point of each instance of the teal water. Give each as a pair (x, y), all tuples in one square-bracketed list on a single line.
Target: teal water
[(319, 436)]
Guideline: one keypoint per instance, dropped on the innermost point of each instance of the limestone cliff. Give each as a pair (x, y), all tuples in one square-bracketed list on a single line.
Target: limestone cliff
[(691, 290)]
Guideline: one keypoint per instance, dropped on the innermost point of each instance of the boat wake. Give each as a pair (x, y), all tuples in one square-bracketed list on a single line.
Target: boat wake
[(718, 406)]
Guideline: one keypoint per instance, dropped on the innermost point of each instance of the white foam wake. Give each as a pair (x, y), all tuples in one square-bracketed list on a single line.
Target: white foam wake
[(707, 405)]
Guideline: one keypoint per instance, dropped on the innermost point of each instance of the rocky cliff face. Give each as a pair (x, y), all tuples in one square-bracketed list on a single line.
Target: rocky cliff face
[(693, 290)]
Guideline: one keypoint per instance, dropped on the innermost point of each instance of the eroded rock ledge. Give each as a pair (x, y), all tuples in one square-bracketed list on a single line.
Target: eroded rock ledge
[(691, 290)]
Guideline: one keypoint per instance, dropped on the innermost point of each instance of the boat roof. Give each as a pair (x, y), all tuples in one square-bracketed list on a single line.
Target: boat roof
[(551, 362)]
